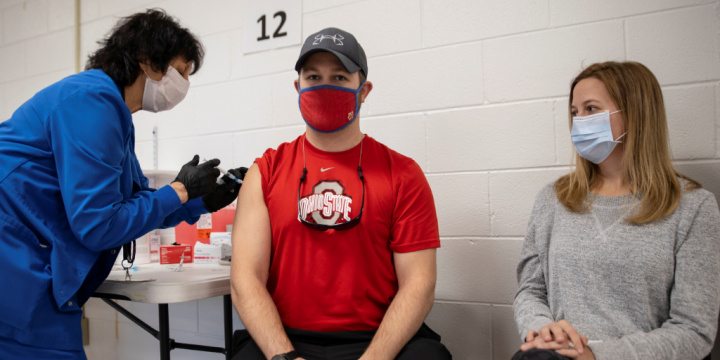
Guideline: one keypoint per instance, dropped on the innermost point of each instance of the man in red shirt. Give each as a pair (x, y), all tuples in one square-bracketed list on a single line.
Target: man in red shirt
[(343, 265)]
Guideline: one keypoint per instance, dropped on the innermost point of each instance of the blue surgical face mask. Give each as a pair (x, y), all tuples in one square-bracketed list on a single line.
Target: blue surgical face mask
[(592, 136)]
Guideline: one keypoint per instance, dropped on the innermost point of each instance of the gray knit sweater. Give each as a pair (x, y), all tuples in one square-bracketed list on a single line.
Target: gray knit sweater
[(637, 291)]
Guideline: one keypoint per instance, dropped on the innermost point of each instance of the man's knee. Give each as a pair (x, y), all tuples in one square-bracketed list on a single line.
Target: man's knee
[(423, 348)]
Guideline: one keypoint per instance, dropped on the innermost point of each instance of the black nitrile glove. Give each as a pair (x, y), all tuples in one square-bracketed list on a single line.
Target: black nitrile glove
[(200, 179), (226, 192)]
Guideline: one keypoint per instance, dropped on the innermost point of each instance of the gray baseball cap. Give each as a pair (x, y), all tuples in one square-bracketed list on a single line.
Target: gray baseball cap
[(341, 43)]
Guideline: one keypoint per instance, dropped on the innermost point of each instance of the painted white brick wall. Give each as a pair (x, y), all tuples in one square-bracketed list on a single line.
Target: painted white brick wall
[(237, 105), (261, 63), (566, 12), (25, 20), (689, 51), (691, 121), (382, 27), (458, 21), (13, 61), (717, 117), (542, 64), (512, 195), (216, 65), (52, 46), (315, 5), (474, 91), (462, 203), (492, 137), (286, 113), (471, 326), (393, 131), (446, 77), (61, 15)]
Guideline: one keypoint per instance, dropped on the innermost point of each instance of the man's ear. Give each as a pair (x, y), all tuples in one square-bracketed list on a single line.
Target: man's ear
[(297, 87), (365, 91)]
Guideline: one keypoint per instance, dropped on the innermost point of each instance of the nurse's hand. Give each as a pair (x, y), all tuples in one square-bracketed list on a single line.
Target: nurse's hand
[(226, 192), (198, 180)]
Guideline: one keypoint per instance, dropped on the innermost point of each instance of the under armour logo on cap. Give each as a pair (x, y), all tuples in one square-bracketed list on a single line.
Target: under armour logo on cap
[(337, 39)]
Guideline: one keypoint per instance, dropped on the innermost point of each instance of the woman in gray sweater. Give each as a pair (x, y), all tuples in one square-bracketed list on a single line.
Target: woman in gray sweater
[(622, 255)]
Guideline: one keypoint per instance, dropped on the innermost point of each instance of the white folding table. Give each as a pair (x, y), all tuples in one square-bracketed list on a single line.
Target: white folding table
[(159, 284)]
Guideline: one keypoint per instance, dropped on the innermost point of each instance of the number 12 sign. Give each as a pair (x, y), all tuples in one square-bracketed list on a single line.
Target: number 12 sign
[(271, 24)]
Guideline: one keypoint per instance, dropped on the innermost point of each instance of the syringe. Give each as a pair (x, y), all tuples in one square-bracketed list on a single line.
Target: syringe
[(224, 172), (230, 175)]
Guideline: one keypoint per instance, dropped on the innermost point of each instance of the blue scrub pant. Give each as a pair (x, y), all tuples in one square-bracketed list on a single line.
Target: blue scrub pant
[(13, 350)]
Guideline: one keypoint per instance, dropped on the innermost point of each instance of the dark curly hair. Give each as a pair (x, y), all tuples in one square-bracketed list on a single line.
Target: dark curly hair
[(152, 37)]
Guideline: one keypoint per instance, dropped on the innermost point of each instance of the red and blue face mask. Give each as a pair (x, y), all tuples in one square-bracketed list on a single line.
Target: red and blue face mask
[(328, 108)]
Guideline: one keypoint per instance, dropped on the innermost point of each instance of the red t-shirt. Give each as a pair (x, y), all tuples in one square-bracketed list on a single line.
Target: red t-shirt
[(342, 280)]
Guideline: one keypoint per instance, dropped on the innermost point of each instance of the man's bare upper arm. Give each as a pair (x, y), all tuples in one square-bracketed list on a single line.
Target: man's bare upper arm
[(416, 265), (251, 235)]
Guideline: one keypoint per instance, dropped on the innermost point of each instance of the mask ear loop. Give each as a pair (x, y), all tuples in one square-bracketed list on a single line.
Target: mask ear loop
[(147, 77), (163, 75), (625, 133), (357, 104)]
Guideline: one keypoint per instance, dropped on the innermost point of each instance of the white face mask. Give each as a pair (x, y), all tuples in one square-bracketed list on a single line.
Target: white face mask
[(164, 94)]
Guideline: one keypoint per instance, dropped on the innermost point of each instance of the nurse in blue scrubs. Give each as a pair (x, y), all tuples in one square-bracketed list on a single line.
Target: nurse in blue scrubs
[(71, 189)]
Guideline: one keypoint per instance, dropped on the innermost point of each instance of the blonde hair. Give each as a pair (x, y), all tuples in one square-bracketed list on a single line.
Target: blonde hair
[(647, 164)]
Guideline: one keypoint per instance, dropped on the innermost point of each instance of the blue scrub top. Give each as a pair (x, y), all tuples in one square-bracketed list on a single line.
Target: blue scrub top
[(71, 193)]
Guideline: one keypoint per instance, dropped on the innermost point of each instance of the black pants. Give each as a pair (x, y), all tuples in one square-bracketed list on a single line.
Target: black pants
[(540, 354), (347, 345)]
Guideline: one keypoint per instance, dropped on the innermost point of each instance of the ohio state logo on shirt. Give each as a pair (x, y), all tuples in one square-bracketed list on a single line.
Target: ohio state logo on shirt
[(327, 204)]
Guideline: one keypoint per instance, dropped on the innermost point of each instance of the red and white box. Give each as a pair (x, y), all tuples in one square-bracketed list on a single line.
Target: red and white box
[(171, 254)]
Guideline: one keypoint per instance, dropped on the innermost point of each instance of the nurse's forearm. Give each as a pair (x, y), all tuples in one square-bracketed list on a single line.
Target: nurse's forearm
[(181, 191)]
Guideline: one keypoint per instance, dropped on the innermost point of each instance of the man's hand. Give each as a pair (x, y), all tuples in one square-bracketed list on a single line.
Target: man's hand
[(198, 180), (226, 192)]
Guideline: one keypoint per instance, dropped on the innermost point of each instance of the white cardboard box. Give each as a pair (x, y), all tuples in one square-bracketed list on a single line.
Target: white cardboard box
[(207, 254)]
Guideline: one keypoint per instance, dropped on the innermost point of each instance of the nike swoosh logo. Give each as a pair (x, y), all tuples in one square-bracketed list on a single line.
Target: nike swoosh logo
[(324, 170)]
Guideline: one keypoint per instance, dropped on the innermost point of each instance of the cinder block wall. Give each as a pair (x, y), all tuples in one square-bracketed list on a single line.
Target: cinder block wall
[(474, 91)]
